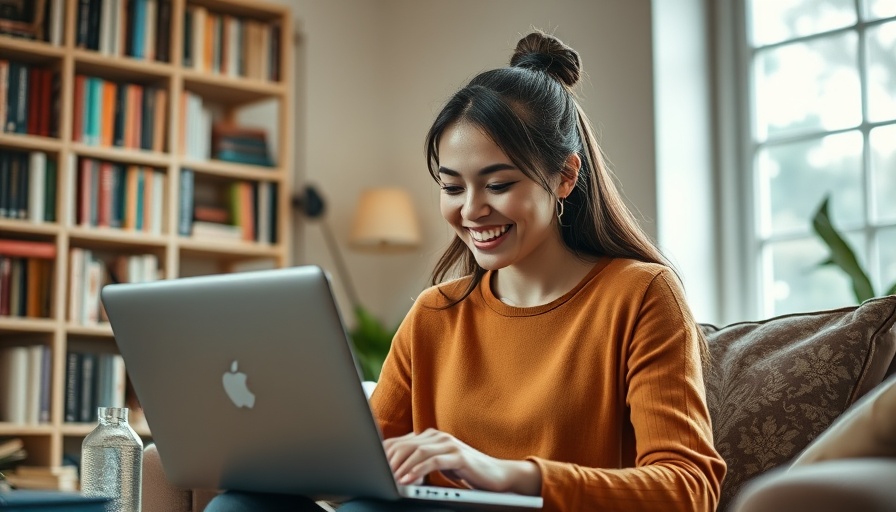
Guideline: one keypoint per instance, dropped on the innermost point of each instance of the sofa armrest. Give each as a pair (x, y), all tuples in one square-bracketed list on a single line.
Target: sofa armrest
[(159, 495)]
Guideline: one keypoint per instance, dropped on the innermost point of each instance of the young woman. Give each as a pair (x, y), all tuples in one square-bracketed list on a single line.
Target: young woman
[(563, 361)]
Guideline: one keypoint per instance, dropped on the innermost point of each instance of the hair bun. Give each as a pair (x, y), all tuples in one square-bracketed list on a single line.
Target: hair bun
[(542, 52)]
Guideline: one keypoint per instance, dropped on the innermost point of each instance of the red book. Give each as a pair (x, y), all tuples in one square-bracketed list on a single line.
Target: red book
[(104, 212), (84, 170), (78, 117), (46, 101), (27, 249), (34, 95), (136, 121), (5, 284)]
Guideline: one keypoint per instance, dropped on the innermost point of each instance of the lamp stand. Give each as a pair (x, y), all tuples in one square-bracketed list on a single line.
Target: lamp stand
[(310, 203)]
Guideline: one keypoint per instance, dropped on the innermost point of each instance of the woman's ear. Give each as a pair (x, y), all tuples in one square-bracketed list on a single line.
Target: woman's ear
[(570, 175)]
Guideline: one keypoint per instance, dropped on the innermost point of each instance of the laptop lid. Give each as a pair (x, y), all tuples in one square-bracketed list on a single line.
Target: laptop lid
[(247, 382)]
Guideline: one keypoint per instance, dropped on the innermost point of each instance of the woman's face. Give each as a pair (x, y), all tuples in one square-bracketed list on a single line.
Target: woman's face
[(501, 214)]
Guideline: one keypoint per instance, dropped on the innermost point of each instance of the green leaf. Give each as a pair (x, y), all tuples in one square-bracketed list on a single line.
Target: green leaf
[(842, 254)]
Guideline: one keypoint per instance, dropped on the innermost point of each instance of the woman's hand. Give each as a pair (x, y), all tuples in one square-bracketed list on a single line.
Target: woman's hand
[(413, 456)]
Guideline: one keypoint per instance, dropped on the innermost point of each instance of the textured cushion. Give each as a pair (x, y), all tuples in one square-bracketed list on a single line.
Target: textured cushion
[(775, 385)]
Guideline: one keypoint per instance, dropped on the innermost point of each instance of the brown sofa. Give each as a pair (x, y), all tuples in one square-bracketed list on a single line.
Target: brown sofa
[(773, 387)]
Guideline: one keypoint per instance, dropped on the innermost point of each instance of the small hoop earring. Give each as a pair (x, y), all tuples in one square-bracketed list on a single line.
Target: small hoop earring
[(560, 210)]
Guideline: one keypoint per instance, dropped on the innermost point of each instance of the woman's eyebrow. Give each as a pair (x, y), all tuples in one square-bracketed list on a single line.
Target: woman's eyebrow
[(482, 172)]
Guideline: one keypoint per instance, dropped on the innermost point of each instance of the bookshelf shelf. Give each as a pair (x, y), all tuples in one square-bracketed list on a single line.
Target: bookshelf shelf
[(26, 430), (10, 324), (231, 91), (116, 238), (235, 171), (126, 68), (225, 249), (30, 142), (101, 330), (123, 155), (29, 51), (43, 230), (69, 250)]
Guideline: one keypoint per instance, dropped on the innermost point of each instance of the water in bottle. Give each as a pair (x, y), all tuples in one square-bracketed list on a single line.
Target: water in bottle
[(112, 461)]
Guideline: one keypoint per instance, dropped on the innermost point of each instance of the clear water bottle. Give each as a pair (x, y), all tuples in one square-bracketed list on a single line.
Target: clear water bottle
[(112, 461)]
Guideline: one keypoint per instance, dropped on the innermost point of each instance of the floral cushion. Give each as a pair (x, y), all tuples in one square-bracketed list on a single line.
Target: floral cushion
[(775, 385)]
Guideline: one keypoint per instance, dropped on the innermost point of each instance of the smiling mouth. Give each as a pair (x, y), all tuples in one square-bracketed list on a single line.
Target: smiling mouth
[(487, 235)]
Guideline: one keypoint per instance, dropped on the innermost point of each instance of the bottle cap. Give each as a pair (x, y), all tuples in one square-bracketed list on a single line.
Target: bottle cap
[(113, 414)]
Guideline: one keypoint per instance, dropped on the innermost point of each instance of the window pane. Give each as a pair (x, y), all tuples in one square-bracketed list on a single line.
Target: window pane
[(883, 172), (886, 245), (882, 72), (803, 87), (876, 9), (778, 20), (794, 178), (797, 283)]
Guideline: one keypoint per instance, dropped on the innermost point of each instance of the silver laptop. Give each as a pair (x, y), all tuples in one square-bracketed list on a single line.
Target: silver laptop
[(248, 382)]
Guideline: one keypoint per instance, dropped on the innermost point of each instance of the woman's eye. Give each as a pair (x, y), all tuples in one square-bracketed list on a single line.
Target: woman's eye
[(452, 190), (500, 187)]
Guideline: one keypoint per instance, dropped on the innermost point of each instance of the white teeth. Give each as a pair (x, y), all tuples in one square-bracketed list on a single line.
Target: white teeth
[(488, 234)]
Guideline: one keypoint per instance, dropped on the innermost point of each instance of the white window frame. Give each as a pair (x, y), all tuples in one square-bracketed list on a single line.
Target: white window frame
[(741, 244)]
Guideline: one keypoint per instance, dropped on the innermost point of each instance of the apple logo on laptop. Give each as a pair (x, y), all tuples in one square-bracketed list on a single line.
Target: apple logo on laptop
[(235, 386)]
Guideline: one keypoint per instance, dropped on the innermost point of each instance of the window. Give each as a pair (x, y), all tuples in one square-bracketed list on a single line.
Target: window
[(822, 121)]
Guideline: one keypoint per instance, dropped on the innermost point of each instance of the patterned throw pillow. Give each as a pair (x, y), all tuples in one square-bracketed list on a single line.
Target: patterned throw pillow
[(775, 385)]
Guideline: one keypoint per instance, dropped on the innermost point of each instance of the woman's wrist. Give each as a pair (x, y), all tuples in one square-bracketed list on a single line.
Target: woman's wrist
[(523, 477)]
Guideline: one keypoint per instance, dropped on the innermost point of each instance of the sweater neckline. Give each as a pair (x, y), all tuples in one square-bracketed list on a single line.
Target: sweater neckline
[(502, 308)]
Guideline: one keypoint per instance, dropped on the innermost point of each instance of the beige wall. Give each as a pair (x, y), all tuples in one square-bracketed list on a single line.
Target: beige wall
[(373, 74)]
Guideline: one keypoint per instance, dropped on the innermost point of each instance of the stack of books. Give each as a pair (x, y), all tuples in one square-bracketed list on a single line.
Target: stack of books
[(12, 451), (59, 478), (240, 144)]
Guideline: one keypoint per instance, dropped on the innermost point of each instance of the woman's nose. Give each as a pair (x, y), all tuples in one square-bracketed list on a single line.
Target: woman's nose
[(475, 206)]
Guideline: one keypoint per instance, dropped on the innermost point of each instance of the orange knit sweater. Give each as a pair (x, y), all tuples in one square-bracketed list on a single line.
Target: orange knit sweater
[(601, 388)]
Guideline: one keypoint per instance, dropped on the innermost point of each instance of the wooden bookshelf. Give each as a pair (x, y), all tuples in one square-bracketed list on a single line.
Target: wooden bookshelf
[(178, 255)]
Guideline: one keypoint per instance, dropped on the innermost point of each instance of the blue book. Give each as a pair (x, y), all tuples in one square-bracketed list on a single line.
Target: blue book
[(49, 501), (139, 34)]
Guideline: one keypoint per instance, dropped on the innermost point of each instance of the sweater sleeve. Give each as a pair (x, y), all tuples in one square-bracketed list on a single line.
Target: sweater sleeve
[(391, 399), (676, 465)]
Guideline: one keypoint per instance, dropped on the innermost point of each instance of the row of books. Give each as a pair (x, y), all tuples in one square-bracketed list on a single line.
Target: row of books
[(40, 20), (109, 113), (26, 286), (239, 210), (29, 99), (26, 277), (231, 45), (196, 127), (27, 186), (92, 380), (122, 196), (25, 377), (135, 28), (88, 273)]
